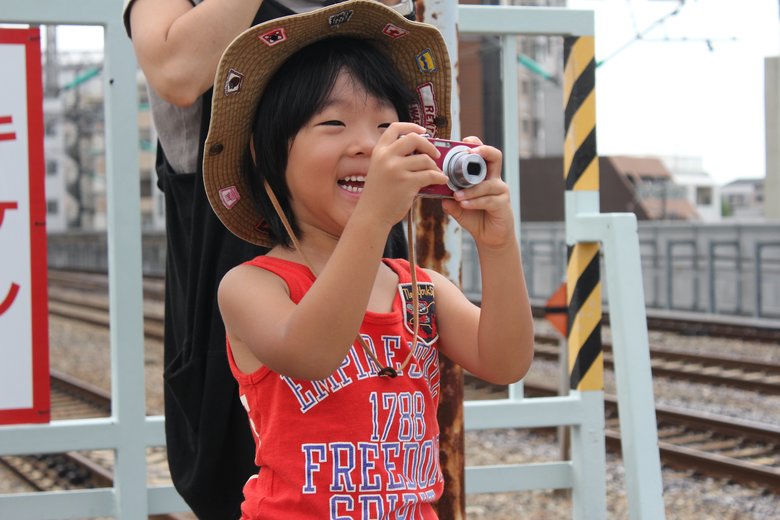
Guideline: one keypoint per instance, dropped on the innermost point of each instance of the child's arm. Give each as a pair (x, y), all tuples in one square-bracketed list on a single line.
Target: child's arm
[(495, 342)]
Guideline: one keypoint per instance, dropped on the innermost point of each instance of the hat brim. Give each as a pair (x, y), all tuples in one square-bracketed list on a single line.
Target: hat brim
[(417, 50)]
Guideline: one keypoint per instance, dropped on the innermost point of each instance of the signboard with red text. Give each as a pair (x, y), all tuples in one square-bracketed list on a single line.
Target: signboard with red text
[(24, 329)]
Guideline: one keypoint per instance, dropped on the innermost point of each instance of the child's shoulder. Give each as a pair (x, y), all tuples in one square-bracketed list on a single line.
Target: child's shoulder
[(403, 269), (293, 277), (282, 267), (274, 262), (397, 264)]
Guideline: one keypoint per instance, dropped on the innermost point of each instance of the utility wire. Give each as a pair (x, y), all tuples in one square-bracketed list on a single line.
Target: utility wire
[(640, 34)]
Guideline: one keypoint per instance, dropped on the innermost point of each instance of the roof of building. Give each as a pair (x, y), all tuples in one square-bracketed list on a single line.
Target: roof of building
[(640, 185)]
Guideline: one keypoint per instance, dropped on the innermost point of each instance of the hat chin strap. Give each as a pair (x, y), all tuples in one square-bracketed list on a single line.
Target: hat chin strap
[(388, 370)]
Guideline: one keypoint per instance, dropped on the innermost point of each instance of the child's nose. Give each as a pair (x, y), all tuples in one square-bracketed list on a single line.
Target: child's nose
[(363, 143)]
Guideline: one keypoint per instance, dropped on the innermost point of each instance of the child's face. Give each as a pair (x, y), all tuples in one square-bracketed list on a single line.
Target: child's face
[(329, 156)]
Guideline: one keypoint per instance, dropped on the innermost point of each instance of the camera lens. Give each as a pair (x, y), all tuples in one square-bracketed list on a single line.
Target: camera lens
[(473, 169), (466, 169)]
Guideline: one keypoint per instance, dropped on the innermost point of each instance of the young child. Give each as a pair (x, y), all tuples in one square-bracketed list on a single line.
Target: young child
[(317, 147)]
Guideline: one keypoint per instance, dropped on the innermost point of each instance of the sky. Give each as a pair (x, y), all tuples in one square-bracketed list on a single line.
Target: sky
[(664, 96), (669, 93)]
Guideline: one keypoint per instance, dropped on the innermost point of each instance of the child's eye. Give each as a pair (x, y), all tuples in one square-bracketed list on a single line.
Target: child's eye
[(332, 122), (384, 125)]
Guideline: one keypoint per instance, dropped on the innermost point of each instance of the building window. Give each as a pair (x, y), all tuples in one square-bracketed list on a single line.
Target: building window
[(50, 125), (51, 167), (703, 196), (146, 188), (52, 207)]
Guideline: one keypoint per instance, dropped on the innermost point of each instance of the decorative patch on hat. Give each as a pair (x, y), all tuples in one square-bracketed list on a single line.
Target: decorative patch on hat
[(428, 107), (229, 196), (273, 36), (394, 32), (427, 310), (425, 61), (415, 114), (233, 82), (340, 18)]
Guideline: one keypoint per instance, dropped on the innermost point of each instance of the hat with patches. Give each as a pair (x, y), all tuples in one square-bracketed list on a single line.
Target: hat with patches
[(416, 49)]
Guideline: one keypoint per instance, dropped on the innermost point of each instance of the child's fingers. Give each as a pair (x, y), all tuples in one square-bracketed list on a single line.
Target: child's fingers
[(398, 129), (472, 140), (452, 208), (413, 143), (407, 139), (421, 163), (492, 204), (493, 157), (486, 188)]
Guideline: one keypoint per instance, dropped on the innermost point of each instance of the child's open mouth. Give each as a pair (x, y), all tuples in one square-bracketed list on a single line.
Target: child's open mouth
[(353, 183)]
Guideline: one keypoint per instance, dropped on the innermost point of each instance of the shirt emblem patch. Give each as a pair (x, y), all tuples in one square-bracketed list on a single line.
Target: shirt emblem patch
[(229, 196), (425, 61), (233, 82), (427, 310), (273, 36)]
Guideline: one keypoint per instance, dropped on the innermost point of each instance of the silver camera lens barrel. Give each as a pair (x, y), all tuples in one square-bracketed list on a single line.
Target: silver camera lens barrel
[(464, 169)]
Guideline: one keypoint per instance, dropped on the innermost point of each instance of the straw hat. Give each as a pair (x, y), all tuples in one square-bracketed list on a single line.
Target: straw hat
[(417, 50)]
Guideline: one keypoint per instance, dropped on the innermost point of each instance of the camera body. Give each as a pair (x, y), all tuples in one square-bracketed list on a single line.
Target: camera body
[(463, 168)]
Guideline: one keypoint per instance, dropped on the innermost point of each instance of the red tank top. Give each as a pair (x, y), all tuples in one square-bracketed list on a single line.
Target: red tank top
[(354, 445)]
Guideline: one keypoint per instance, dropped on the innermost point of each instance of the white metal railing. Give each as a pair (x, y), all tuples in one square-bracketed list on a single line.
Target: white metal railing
[(129, 432)]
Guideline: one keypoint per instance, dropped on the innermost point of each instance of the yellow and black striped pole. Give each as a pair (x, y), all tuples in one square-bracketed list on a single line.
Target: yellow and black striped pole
[(581, 173)]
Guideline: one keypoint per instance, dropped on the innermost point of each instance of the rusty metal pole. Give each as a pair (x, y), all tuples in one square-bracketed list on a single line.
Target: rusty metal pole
[(439, 247)]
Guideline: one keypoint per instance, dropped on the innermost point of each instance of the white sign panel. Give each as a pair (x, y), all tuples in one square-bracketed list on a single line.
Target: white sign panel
[(24, 341)]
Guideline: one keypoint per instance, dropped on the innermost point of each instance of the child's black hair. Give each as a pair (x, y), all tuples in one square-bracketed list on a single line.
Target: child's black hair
[(296, 92)]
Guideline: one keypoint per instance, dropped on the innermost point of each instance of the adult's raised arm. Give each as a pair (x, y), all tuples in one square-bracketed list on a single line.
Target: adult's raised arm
[(179, 45)]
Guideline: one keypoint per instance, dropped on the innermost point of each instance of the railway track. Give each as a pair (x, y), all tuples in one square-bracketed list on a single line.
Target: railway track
[(93, 309), (722, 447), (761, 377), (75, 399)]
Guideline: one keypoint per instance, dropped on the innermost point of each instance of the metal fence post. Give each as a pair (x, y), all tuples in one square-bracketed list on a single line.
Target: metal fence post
[(439, 247)]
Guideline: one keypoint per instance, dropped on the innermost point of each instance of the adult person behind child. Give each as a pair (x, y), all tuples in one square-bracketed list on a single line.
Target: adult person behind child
[(178, 44), (317, 146)]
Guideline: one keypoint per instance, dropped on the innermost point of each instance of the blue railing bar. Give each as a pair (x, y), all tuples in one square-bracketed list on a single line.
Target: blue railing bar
[(73, 435), (59, 436), (78, 12), (510, 478), (88, 503), (537, 412), (164, 499)]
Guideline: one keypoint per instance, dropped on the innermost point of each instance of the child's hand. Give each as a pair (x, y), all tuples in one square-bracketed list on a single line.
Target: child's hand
[(401, 164), (484, 210)]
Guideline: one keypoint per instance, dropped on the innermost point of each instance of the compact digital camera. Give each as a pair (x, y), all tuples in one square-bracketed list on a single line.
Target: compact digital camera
[(463, 168)]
